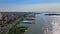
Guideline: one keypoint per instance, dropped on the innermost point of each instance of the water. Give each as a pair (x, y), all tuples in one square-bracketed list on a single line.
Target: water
[(44, 25)]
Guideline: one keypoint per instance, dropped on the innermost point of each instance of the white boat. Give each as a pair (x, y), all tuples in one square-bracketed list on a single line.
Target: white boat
[(27, 21), (31, 18)]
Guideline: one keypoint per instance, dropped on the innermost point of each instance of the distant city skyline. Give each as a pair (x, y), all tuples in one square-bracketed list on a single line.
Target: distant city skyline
[(29, 5)]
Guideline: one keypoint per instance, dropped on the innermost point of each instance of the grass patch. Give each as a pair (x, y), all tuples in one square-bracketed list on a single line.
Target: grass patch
[(19, 30)]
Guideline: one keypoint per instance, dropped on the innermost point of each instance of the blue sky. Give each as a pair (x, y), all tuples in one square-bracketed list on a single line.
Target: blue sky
[(29, 5), (19, 2)]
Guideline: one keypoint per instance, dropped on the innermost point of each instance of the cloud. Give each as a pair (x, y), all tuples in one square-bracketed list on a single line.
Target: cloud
[(32, 7)]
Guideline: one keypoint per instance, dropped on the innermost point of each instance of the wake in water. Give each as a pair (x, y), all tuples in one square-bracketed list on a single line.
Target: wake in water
[(55, 27)]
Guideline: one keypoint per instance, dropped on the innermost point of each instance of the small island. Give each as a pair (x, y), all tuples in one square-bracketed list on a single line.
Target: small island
[(52, 14)]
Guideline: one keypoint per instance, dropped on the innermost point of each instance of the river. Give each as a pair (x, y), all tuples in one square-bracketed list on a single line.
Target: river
[(44, 25)]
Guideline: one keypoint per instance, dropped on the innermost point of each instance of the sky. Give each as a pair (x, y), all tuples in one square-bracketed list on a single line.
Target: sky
[(29, 5)]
